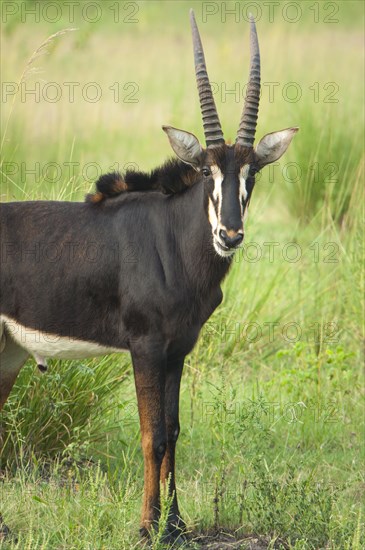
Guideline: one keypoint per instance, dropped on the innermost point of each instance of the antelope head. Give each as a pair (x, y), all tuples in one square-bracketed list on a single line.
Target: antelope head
[(228, 171)]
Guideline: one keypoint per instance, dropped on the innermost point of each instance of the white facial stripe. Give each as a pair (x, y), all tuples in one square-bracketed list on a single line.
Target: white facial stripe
[(243, 177), (212, 215), (214, 212), (243, 190), (218, 179)]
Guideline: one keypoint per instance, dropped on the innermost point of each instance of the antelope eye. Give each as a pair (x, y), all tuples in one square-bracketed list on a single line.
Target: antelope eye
[(206, 171)]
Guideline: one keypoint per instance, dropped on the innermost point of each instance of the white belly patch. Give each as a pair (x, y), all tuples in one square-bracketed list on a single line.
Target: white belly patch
[(43, 345)]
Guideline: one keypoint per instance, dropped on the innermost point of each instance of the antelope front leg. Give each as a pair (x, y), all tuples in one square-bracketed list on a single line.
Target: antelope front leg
[(149, 374), (172, 393)]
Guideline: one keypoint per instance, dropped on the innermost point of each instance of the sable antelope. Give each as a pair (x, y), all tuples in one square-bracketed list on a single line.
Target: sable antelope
[(155, 305)]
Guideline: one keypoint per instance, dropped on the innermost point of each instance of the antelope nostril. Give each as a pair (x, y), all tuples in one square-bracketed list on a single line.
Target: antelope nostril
[(238, 239), (223, 235), (230, 242)]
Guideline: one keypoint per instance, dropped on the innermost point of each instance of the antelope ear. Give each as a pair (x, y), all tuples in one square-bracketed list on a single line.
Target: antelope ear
[(273, 146), (185, 145)]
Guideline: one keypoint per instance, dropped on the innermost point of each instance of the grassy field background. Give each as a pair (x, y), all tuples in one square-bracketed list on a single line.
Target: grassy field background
[(272, 407)]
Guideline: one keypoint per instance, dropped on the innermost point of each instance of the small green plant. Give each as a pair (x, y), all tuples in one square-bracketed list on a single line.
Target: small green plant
[(66, 411), (158, 537), (289, 508)]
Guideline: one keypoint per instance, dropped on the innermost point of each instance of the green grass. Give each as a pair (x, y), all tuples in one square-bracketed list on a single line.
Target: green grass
[(272, 396)]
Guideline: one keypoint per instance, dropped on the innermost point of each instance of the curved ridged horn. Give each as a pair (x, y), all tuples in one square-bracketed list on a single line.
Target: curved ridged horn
[(212, 127), (247, 128)]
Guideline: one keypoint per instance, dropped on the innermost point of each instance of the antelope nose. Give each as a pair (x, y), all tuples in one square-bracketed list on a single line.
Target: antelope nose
[(230, 242)]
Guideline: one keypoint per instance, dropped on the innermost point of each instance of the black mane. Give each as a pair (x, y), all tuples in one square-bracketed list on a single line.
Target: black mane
[(174, 176)]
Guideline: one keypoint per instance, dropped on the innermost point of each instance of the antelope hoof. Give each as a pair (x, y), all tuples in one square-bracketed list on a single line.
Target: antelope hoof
[(144, 533), (176, 525), (173, 534), (176, 539)]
